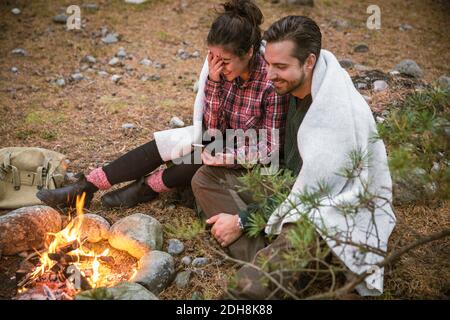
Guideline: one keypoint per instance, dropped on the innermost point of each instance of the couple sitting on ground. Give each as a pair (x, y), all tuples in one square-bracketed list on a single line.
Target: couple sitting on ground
[(312, 116)]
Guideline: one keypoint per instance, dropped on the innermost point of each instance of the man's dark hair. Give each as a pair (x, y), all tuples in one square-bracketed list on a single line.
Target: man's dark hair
[(237, 27), (303, 31)]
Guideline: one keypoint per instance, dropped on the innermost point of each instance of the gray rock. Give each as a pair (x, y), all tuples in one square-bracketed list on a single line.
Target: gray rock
[(362, 47), (19, 52), (93, 226), (346, 63), (186, 260), (128, 126), (121, 53), (361, 86), (184, 55), (360, 67), (197, 295), (153, 77), (77, 77), (182, 279), (26, 228), (137, 234), (103, 73), (340, 24), (146, 62), (16, 11), (104, 31), (114, 62), (380, 119), (175, 247), (405, 27), (380, 85), (436, 167), (116, 78), (14, 70), (89, 59), (410, 68), (121, 291), (200, 262), (60, 82), (60, 18), (444, 82), (90, 6), (111, 38), (176, 122), (158, 65), (155, 271)]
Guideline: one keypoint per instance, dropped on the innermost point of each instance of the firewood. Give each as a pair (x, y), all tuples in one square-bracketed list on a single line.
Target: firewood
[(65, 259), (68, 247)]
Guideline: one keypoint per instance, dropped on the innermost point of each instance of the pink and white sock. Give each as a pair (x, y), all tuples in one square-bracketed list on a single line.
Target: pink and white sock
[(156, 182), (98, 178)]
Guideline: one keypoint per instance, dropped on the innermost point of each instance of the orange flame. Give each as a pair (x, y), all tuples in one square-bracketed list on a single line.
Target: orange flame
[(72, 232)]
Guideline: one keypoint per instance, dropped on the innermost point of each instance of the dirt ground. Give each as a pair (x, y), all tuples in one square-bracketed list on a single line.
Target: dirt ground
[(84, 119)]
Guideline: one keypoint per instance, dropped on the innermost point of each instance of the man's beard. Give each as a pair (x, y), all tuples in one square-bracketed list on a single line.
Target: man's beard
[(292, 86)]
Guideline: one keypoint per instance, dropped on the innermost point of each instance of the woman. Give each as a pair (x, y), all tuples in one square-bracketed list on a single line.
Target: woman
[(237, 96)]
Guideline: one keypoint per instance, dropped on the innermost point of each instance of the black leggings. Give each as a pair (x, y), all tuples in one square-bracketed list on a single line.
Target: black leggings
[(143, 160)]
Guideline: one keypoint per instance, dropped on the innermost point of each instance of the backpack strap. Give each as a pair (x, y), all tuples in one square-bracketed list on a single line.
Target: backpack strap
[(41, 174), (7, 167)]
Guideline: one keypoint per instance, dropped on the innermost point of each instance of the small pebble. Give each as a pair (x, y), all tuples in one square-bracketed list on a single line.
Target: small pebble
[(200, 262)]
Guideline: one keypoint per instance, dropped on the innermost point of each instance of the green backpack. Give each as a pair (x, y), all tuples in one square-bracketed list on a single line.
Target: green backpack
[(24, 171)]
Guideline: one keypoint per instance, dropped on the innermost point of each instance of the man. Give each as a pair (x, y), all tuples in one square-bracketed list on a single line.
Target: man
[(327, 121)]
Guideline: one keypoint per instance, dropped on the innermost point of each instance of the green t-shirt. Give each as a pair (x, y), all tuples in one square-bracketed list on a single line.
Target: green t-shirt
[(296, 113)]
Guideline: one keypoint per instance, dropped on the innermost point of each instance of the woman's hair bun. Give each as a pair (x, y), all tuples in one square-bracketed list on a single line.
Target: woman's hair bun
[(246, 9)]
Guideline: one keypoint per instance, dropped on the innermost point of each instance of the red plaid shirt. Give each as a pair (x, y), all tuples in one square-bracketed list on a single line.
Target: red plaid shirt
[(252, 104)]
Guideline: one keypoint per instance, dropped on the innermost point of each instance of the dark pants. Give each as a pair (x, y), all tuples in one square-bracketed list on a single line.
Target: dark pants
[(216, 191), (143, 160)]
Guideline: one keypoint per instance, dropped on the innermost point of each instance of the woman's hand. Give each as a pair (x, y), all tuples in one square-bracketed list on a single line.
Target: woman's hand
[(215, 64), (218, 160), (225, 229)]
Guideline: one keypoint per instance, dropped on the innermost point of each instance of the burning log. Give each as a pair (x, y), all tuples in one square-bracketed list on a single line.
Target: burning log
[(70, 246), (68, 258)]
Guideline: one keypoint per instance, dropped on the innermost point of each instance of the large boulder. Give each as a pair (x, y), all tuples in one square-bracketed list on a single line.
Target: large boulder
[(121, 291), (26, 228), (93, 226), (410, 68), (155, 271), (136, 234)]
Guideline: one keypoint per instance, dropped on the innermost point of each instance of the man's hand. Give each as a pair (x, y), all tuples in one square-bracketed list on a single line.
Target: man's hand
[(218, 160), (215, 65), (226, 228)]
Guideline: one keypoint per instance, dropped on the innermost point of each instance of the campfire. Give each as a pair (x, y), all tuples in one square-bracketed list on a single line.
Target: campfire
[(69, 265)]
